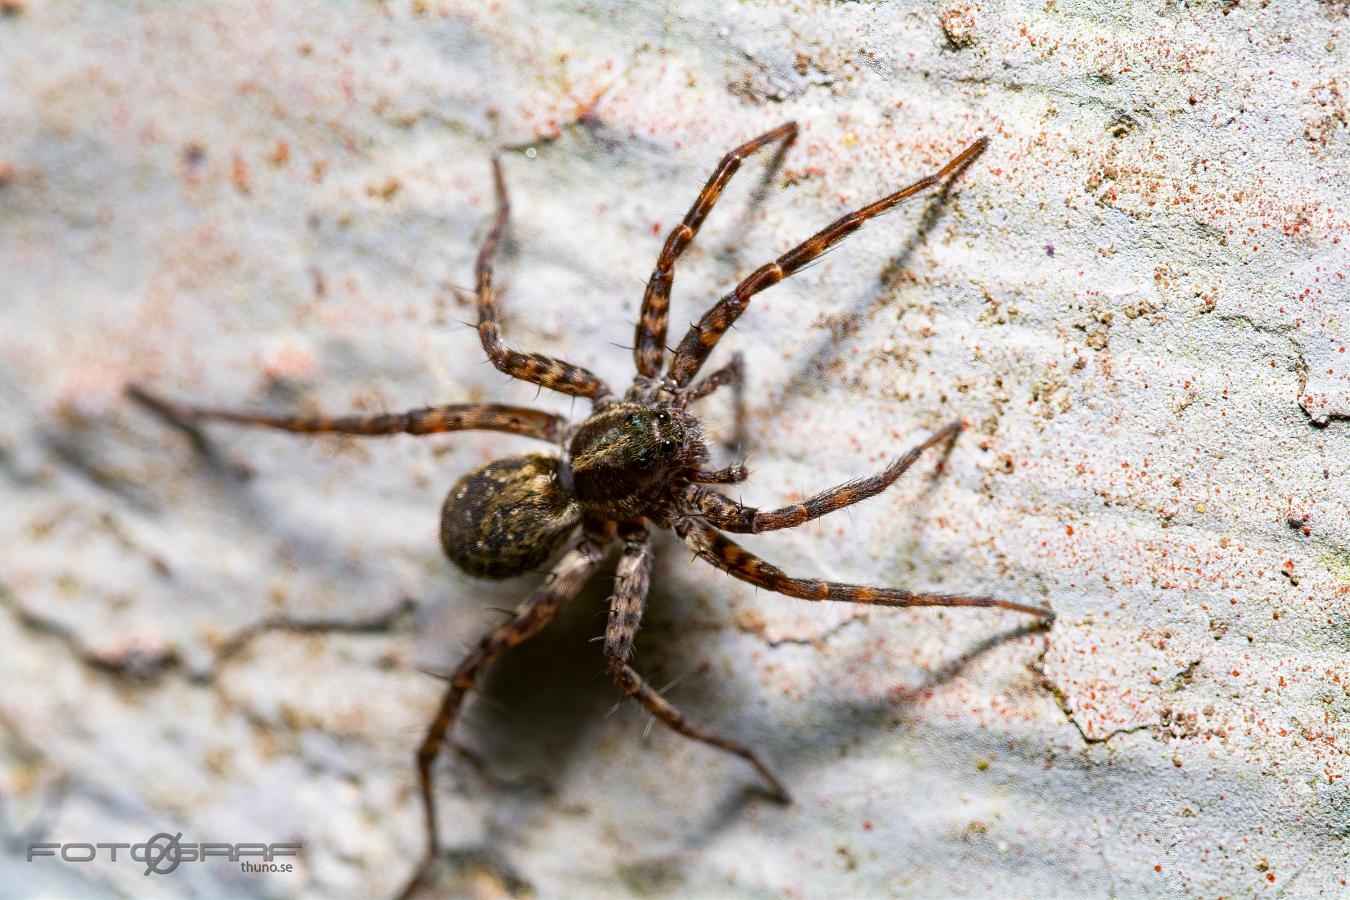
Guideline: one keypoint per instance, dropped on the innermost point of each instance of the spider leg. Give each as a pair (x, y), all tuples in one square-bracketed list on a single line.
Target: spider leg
[(650, 344), (703, 336), (632, 577), (725, 554), (545, 371), (566, 578), (723, 512), (432, 420), (625, 613), (733, 374), (732, 474)]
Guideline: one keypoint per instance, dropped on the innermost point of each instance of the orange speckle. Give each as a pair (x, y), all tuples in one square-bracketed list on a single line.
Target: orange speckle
[(242, 181)]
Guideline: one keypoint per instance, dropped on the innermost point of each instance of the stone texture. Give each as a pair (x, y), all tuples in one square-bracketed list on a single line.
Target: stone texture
[(1137, 298)]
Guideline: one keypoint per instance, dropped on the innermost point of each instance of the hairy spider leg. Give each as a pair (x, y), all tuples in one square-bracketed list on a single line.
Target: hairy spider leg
[(432, 420), (649, 346), (633, 577), (562, 584), (732, 474), (545, 371), (725, 554), (733, 374), (703, 336), (722, 512)]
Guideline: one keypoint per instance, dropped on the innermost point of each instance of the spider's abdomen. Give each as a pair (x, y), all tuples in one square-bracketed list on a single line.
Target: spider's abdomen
[(507, 517)]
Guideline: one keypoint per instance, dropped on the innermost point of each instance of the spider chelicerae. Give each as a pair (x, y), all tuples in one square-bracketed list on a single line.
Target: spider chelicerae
[(636, 462)]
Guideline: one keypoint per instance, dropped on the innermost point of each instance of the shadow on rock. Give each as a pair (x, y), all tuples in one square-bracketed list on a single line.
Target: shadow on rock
[(846, 722)]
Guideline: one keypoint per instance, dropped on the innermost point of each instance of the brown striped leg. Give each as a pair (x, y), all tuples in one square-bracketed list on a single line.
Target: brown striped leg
[(723, 512), (535, 368), (733, 374), (625, 613), (433, 420), (725, 554), (631, 683), (650, 344), (732, 474), (704, 335), (567, 577), (631, 578)]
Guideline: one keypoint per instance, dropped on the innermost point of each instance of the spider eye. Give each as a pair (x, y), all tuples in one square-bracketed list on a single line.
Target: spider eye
[(635, 420), (667, 445), (663, 417)]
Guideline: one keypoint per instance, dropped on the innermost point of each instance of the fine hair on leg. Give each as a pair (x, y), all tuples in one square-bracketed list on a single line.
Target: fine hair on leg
[(703, 335), (625, 614), (536, 368), (723, 512), (430, 420), (733, 375), (649, 346), (560, 586), (713, 547)]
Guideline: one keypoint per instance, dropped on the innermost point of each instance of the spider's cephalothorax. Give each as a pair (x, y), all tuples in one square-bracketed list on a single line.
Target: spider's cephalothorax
[(630, 464), (624, 461)]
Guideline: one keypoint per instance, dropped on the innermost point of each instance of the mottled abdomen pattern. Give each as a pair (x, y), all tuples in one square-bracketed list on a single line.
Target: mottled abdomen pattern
[(507, 517)]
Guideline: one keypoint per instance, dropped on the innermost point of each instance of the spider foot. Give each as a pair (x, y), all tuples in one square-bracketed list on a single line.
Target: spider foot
[(773, 789), (185, 420), (776, 793)]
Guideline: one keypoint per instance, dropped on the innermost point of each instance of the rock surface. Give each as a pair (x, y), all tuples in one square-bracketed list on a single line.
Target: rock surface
[(1137, 298)]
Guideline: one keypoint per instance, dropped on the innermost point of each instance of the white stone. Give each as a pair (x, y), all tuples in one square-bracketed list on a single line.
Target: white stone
[(1137, 298)]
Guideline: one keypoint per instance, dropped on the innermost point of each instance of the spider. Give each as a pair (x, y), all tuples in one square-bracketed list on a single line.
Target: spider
[(636, 462)]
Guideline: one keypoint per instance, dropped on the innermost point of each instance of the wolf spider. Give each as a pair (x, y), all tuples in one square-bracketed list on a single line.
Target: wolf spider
[(633, 463)]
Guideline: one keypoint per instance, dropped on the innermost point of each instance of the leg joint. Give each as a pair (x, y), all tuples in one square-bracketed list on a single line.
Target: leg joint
[(623, 675)]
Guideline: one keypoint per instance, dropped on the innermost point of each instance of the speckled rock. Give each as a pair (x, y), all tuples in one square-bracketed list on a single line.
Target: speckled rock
[(1137, 298)]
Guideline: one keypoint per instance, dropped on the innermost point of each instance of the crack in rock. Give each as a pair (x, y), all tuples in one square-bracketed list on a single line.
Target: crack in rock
[(1061, 699), (143, 664), (381, 623), (146, 664)]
